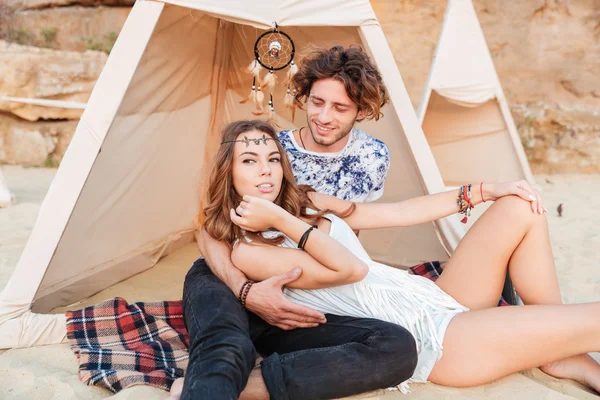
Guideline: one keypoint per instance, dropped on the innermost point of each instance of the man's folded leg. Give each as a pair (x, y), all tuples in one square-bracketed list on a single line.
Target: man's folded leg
[(221, 352), (343, 357)]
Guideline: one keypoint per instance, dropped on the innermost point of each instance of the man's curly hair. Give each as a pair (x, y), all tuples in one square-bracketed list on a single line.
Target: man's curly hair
[(352, 67)]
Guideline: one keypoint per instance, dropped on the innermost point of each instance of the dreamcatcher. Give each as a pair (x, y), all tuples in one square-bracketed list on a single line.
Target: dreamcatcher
[(273, 51)]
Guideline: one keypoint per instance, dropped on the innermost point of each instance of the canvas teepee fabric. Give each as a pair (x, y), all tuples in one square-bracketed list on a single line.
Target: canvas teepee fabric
[(126, 193), (6, 197), (463, 111)]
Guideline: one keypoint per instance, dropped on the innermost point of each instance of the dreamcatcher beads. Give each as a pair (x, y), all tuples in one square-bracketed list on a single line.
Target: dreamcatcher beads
[(271, 107)]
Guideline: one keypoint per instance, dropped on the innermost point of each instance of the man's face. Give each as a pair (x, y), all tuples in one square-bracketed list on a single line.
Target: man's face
[(330, 115)]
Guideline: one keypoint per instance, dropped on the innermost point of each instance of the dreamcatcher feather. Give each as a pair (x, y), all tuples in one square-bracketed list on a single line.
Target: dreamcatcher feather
[(257, 97), (289, 101)]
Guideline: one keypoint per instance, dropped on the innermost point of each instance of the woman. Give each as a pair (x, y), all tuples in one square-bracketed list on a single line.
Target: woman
[(255, 206)]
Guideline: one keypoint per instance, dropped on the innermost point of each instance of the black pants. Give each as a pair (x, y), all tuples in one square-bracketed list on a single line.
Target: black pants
[(343, 357)]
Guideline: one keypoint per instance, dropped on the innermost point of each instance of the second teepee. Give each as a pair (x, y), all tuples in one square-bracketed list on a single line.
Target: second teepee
[(463, 111)]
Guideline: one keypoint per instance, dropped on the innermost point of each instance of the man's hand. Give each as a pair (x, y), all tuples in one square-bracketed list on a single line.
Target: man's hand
[(266, 300)]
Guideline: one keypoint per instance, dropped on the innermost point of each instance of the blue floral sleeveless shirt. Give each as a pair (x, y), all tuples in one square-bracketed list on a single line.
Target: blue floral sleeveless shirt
[(356, 173)]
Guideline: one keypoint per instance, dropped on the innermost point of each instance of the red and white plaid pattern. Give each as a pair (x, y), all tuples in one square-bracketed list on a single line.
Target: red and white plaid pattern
[(119, 345)]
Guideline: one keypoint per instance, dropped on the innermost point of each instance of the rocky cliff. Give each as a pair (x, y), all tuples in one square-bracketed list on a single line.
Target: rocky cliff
[(546, 52)]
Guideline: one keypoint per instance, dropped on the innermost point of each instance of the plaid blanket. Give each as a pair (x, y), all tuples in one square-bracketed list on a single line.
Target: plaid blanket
[(119, 345)]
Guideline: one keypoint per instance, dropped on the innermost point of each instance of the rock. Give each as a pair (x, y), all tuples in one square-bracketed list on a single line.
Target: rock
[(69, 28), (412, 30), (559, 138), (550, 49), (33, 143), (31, 72)]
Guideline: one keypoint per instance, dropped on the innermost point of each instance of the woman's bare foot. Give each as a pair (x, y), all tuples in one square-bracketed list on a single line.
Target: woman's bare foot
[(582, 368), (176, 389)]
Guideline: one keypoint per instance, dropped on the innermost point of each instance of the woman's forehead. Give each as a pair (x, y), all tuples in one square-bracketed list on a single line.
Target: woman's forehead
[(255, 142)]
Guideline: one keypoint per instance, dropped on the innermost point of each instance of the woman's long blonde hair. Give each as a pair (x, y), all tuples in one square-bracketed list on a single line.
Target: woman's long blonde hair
[(222, 197)]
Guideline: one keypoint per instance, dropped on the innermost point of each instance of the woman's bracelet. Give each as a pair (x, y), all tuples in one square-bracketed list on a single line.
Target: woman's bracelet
[(244, 292), (463, 200), (304, 237)]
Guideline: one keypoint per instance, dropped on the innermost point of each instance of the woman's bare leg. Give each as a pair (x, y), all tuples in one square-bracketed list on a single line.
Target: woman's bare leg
[(509, 235), (483, 345)]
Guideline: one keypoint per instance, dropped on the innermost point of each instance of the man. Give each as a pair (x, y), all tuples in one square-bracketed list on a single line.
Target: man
[(335, 356), (329, 154)]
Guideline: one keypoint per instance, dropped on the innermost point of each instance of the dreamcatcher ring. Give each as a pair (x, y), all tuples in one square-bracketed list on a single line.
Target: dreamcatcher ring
[(271, 47)]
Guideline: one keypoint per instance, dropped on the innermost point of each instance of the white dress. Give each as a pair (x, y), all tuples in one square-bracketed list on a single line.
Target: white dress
[(387, 294)]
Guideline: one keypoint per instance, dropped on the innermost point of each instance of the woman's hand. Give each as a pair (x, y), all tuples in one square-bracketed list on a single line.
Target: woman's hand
[(493, 191), (255, 214)]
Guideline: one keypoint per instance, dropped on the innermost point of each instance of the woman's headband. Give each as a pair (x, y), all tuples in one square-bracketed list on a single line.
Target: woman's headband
[(263, 139)]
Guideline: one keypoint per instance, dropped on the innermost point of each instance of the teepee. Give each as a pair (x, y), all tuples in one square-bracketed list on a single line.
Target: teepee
[(463, 111), (126, 192)]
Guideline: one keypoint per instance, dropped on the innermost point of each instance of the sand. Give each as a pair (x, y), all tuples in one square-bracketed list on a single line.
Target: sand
[(50, 372)]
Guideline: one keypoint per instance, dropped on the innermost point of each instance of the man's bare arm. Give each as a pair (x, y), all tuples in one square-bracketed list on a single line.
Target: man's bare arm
[(218, 258), (265, 298)]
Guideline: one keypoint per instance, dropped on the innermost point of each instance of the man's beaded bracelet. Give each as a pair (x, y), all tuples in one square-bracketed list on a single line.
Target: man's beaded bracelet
[(244, 291)]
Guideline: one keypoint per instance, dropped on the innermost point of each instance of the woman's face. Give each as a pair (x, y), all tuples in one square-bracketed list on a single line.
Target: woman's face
[(257, 168)]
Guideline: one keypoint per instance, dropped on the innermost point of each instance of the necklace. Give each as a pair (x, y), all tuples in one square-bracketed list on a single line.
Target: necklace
[(302, 141)]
